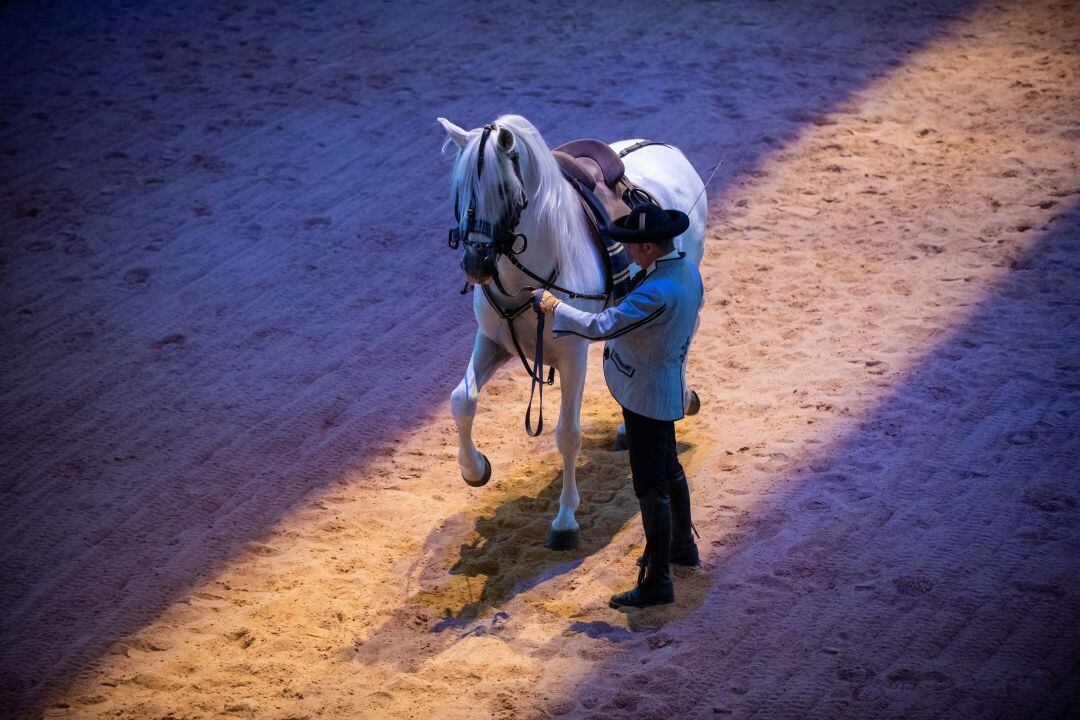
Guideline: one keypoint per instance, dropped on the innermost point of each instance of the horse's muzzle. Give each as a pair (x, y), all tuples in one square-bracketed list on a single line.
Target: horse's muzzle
[(478, 263)]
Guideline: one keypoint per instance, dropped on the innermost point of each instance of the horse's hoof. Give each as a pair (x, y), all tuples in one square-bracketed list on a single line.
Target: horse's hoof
[(562, 540), (694, 406), (620, 442), (483, 480)]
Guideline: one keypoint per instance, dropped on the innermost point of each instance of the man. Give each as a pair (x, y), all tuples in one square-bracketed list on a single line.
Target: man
[(647, 335)]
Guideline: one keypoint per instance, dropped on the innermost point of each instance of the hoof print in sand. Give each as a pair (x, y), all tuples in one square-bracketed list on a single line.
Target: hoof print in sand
[(136, 277), (1049, 499), (906, 677), (913, 584), (173, 339), (242, 637), (1020, 437)]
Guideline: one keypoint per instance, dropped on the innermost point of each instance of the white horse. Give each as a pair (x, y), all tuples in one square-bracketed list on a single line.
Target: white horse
[(517, 166)]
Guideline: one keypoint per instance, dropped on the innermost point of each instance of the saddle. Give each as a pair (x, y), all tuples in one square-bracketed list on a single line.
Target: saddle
[(598, 174), (598, 168)]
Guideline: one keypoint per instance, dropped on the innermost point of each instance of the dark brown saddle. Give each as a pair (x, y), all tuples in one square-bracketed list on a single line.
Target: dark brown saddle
[(599, 169), (591, 162), (599, 176)]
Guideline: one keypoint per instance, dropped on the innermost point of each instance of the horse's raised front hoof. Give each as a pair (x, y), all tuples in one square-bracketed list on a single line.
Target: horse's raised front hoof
[(562, 540), (484, 479), (620, 442), (694, 406)]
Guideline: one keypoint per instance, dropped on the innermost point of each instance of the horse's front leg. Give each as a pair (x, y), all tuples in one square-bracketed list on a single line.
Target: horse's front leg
[(487, 357), (572, 368)]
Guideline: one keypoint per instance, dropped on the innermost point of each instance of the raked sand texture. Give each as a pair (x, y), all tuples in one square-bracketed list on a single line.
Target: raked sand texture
[(230, 326)]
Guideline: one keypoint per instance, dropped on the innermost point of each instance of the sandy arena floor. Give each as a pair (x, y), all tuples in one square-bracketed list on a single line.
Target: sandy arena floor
[(231, 325)]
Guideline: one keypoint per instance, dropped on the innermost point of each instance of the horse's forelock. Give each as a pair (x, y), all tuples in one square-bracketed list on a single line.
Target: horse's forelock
[(465, 185)]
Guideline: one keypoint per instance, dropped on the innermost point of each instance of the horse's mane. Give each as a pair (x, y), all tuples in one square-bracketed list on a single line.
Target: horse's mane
[(553, 203)]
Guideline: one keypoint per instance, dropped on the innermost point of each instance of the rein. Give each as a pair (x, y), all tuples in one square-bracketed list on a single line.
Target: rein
[(549, 284), (536, 370), (538, 365)]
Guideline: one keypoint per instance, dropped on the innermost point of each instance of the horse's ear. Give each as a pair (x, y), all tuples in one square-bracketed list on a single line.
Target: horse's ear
[(459, 136), (506, 140)]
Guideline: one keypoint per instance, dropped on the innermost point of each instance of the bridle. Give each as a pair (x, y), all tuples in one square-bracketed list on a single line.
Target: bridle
[(502, 233), (503, 242), (503, 237)]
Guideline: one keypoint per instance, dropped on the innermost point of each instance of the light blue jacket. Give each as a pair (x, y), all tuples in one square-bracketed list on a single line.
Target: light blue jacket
[(648, 335)]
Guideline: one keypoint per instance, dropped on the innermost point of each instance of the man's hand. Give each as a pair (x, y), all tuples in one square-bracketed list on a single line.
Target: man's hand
[(545, 301)]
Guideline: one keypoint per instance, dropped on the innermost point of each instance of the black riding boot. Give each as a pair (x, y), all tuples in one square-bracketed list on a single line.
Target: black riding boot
[(684, 550), (654, 581)]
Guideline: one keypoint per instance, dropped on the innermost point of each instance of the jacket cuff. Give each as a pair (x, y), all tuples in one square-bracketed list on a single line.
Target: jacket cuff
[(563, 320)]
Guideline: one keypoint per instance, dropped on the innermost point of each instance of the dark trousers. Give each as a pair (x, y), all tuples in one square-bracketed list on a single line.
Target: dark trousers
[(654, 461), (659, 481)]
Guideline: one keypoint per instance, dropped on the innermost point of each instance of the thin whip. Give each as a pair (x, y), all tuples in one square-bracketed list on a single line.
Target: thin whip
[(718, 164)]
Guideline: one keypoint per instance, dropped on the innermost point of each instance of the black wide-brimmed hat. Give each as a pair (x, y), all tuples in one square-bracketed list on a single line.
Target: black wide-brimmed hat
[(649, 223)]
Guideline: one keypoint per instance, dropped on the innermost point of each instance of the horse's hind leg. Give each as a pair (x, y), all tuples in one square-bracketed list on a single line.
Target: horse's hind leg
[(620, 438), (487, 357), (572, 368), (691, 402)]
